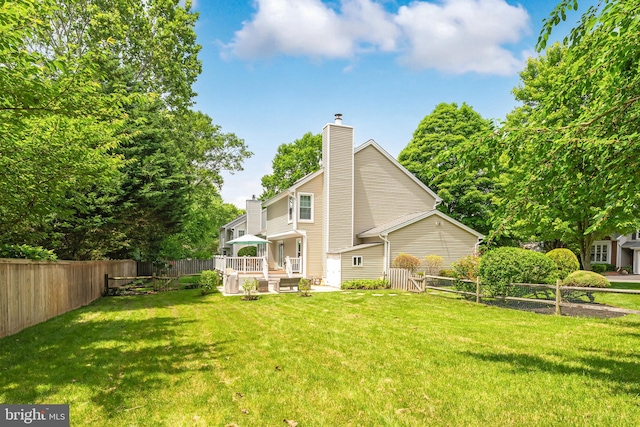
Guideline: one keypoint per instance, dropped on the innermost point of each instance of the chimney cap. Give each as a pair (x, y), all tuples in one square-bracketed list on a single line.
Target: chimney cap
[(338, 118)]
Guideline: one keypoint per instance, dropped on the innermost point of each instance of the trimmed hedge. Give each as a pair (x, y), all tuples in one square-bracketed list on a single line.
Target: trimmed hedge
[(368, 284), (601, 268), (501, 267), (566, 261), (406, 261), (248, 251), (587, 279)]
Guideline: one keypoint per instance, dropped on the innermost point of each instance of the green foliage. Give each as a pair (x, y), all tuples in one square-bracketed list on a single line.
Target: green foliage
[(433, 264), (27, 252), (602, 268), (563, 146), (467, 267), (406, 261), (292, 162), (249, 286), (566, 261), (499, 268), (209, 281), (366, 284), (304, 286), (448, 273), (587, 279), (433, 156), (248, 251)]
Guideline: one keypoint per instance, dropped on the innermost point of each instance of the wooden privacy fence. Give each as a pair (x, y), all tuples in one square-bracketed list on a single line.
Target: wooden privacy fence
[(34, 291), (178, 268)]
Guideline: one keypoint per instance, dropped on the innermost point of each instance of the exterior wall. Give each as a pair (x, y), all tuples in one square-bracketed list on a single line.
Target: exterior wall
[(337, 160), (426, 237), (315, 259), (277, 217), (372, 263), (383, 191), (254, 216)]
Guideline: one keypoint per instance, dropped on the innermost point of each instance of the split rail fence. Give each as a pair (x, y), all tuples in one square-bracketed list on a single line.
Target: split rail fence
[(556, 295), (34, 291)]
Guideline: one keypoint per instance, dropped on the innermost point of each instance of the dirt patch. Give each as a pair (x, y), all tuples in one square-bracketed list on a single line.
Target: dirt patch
[(551, 309)]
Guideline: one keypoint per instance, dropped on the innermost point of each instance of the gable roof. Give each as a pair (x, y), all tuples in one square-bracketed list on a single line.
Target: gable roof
[(355, 248), (372, 143), (294, 187), (236, 221), (405, 220)]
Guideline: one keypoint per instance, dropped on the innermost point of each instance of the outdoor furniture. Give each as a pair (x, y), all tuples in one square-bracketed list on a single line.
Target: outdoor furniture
[(288, 284)]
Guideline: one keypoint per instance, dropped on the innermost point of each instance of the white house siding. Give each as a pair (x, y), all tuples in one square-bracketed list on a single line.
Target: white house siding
[(383, 191), (426, 237), (372, 263), (337, 142), (315, 259)]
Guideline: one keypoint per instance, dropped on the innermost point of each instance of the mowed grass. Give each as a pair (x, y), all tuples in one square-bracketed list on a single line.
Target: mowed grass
[(377, 358)]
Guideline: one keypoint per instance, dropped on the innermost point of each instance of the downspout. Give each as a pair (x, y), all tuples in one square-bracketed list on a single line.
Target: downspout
[(476, 247), (387, 253)]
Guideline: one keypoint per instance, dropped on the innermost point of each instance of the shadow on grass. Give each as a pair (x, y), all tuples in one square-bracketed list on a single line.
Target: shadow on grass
[(114, 360), (621, 373)]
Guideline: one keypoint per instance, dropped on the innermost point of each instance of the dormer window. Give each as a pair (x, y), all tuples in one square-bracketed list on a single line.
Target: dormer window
[(305, 203)]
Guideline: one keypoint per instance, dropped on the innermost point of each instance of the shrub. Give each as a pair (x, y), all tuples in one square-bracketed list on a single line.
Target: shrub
[(368, 284), (566, 261), (406, 261), (598, 268), (209, 281), (37, 253), (467, 267), (433, 264), (501, 267), (248, 286), (627, 268), (448, 273), (248, 251), (587, 279), (304, 286)]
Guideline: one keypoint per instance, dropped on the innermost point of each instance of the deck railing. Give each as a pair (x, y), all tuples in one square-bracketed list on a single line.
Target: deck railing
[(293, 265), (242, 264)]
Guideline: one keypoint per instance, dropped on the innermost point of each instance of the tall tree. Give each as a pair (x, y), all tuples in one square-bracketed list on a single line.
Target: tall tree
[(292, 162), (433, 156), (573, 143)]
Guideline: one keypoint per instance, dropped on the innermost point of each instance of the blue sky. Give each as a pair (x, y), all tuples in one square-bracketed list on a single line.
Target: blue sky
[(276, 69)]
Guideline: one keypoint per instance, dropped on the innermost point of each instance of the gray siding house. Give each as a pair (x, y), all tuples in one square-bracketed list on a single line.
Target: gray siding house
[(350, 219)]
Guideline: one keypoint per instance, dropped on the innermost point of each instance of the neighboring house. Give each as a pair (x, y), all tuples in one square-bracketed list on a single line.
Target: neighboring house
[(248, 223), (619, 250), (351, 218)]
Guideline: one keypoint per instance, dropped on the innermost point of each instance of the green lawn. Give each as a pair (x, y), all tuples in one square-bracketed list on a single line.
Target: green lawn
[(335, 359), (621, 300)]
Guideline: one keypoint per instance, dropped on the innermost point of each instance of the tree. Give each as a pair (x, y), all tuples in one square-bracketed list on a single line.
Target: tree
[(433, 156), (292, 162), (570, 147)]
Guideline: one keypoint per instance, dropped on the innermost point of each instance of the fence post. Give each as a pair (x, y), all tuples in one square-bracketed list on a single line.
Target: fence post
[(558, 297), (106, 284), (478, 290)]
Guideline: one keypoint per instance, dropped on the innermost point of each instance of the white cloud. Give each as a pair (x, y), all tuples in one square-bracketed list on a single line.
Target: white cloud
[(453, 35), (462, 35)]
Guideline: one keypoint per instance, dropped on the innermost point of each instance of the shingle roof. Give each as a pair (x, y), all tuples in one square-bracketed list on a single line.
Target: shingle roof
[(376, 231)]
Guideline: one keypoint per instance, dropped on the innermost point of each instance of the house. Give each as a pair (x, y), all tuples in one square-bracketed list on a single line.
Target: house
[(351, 218), (248, 223), (619, 250)]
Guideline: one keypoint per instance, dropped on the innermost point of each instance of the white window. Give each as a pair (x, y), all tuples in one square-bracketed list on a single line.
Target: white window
[(305, 203), (291, 209), (240, 233), (356, 261), (600, 253)]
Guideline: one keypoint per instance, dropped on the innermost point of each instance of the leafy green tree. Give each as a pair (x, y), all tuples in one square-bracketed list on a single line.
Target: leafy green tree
[(571, 145), (433, 156), (292, 162)]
